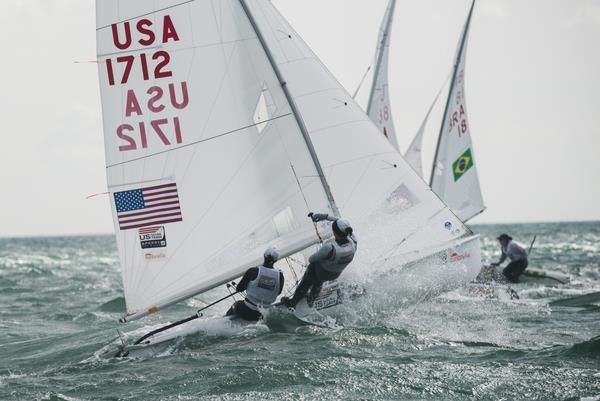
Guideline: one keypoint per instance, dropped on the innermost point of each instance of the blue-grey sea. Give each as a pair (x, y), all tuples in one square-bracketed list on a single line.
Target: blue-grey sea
[(60, 299)]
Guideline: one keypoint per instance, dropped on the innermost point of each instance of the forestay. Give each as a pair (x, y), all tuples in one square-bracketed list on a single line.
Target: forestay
[(202, 150), (379, 107), (454, 175), (369, 179)]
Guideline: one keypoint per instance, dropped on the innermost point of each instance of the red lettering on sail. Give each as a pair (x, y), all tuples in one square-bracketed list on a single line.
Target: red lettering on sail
[(153, 117), (184, 95), (132, 105), (169, 31), (143, 27), (157, 93), (115, 34), (162, 129)]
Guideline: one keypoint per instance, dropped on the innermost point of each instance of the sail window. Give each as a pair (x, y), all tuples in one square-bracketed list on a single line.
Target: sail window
[(284, 221), (265, 109)]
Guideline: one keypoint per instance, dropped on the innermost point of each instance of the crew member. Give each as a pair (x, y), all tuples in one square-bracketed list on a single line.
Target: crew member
[(328, 262), (517, 255), (262, 285)]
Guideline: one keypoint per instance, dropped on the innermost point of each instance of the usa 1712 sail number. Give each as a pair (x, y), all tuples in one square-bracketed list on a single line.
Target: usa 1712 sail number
[(151, 115)]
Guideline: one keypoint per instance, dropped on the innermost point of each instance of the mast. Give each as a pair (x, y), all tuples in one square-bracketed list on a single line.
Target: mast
[(293, 107), (384, 42), (452, 83)]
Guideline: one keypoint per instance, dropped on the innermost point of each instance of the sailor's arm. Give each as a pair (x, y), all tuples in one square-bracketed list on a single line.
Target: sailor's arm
[(323, 253), (316, 217), (250, 275), (502, 259)]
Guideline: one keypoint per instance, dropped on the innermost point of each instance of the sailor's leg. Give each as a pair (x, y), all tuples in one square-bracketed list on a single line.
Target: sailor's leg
[(514, 270), (321, 276), (314, 292), (233, 311), (248, 314), (308, 280)]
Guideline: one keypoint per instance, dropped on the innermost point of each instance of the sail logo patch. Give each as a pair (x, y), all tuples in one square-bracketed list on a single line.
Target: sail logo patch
[(153, 237), (462, 164)]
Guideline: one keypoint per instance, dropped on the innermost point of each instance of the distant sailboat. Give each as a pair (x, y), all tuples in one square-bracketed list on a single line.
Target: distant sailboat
[(454, 174), (222, 131)]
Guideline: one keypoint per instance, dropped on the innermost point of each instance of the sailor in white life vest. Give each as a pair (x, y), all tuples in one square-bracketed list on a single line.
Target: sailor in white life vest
[(262, 285), (517, 255), (328, 262)]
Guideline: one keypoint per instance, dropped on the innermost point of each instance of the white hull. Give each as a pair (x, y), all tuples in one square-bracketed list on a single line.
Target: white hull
[(440, 270), (157, 344)]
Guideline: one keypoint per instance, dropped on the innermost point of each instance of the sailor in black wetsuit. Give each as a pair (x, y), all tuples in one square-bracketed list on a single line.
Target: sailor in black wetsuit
[(517, 255), (262, 285), (328, 262)]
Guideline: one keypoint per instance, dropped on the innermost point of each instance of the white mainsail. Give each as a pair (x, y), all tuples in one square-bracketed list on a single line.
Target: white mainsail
[(454, 174), (379, 108), (207, 163), (364, 170), (202, 148)]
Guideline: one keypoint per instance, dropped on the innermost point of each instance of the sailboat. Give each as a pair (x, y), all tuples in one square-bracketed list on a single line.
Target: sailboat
[(379, 107), (222, 131), (454, 174)]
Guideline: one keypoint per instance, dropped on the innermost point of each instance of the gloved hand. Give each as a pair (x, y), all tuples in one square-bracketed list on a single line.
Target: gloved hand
[(316, 217), (495, 264)]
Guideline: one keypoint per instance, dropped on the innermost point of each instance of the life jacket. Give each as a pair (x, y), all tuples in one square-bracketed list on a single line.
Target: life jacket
[(514, 251), (341, 256), (263, 290)]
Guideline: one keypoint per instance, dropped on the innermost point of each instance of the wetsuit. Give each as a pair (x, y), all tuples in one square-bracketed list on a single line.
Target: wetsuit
[(262, 285)]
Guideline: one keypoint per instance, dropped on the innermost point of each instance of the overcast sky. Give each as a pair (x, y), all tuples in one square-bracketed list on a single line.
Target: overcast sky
[(533, 96)]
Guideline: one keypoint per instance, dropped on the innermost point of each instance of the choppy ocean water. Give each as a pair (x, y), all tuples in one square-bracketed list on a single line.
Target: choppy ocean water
[(60, 299)]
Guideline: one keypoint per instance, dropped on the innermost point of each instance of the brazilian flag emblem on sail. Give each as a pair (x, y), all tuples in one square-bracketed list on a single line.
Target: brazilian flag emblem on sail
[(462, 164)]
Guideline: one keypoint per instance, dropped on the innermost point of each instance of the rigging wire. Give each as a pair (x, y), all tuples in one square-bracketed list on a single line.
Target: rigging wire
[(306, 202), (362, 81)]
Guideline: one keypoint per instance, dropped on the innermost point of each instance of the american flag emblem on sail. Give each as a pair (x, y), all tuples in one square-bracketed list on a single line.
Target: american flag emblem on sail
[(148, 206)]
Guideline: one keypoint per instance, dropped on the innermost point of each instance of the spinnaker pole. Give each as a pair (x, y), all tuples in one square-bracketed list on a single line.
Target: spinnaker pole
[(293, 107), (452, 84)]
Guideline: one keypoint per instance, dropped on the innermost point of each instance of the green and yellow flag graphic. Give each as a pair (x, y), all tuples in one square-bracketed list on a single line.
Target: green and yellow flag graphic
[(462, 164)]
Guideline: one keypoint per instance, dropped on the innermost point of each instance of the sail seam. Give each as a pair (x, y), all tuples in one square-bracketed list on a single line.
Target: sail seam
[(145, 14), (198, 142), (181, 49)]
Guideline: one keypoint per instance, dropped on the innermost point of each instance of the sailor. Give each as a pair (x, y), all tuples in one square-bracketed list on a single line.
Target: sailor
[(328, 262), (262, 285), (517, 255)]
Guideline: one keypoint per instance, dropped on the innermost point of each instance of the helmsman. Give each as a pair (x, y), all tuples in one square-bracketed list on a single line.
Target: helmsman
[(262, 285)]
